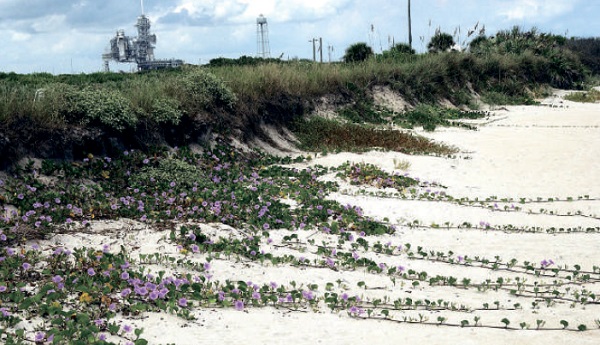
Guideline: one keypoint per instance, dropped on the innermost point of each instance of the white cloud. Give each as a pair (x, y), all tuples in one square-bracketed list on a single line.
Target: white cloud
[(50, 23), (535, 9), (19, 36), (246, 11)]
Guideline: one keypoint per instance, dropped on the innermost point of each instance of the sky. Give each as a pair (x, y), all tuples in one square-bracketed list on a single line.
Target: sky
[(69, 36)]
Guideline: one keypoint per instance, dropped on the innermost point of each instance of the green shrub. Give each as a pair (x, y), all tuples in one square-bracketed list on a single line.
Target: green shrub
[(166, 110), (440, 42), (358, 52), (103, 107), (203, 91)]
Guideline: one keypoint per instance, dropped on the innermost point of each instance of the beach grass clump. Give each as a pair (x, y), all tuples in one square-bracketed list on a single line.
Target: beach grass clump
[(431, 116), (591, 96)]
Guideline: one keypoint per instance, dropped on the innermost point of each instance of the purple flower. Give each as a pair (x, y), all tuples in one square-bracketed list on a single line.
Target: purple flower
[(98, 322), (91, 272), (125, 292), (57, 279), (256, 295), (330, 262), (153, 295), (2, 288), (239, 305), (308, 295), (142, 291), (345, 297), (40, 336), (182, 302), (26, 266), (102, 337), (355, 310), (545, 263), (126, 328), (125, 275)]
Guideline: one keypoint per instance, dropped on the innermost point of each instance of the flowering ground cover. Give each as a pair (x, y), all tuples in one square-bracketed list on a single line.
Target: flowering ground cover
[(91, 250)]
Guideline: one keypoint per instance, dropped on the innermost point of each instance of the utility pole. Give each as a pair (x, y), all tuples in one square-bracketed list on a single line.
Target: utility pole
[(409, 27), (314, 41), (321, 48)]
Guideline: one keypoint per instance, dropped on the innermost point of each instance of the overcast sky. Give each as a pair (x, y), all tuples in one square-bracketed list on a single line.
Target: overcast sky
[(69, 36)]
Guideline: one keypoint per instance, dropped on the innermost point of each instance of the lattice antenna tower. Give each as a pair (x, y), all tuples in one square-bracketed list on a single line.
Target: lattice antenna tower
[(262, 37)]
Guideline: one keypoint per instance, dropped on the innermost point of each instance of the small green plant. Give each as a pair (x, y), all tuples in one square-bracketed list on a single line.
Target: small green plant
[(591, 96), (401, 164)]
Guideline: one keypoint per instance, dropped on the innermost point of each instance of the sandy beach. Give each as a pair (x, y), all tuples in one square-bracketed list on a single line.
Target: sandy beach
[(529, 178)]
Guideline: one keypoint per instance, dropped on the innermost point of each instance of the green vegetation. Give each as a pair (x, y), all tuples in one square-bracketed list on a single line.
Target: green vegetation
[(80, 295), (44, 115), (318, 134), (591, 96), (430, 117), (358, 52), (87, 295), (440, 42)]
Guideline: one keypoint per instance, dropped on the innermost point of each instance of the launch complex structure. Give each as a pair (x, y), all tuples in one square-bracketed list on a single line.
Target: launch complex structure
[(139, 50)]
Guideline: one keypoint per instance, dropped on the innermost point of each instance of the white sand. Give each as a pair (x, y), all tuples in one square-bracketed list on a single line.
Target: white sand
[(525, 152)]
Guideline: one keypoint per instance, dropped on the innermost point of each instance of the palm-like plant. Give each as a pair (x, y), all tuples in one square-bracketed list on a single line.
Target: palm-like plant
[(358, 52), (440, 42)]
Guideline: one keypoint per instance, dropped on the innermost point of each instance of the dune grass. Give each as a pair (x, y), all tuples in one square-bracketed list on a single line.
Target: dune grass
[(591, 96)]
